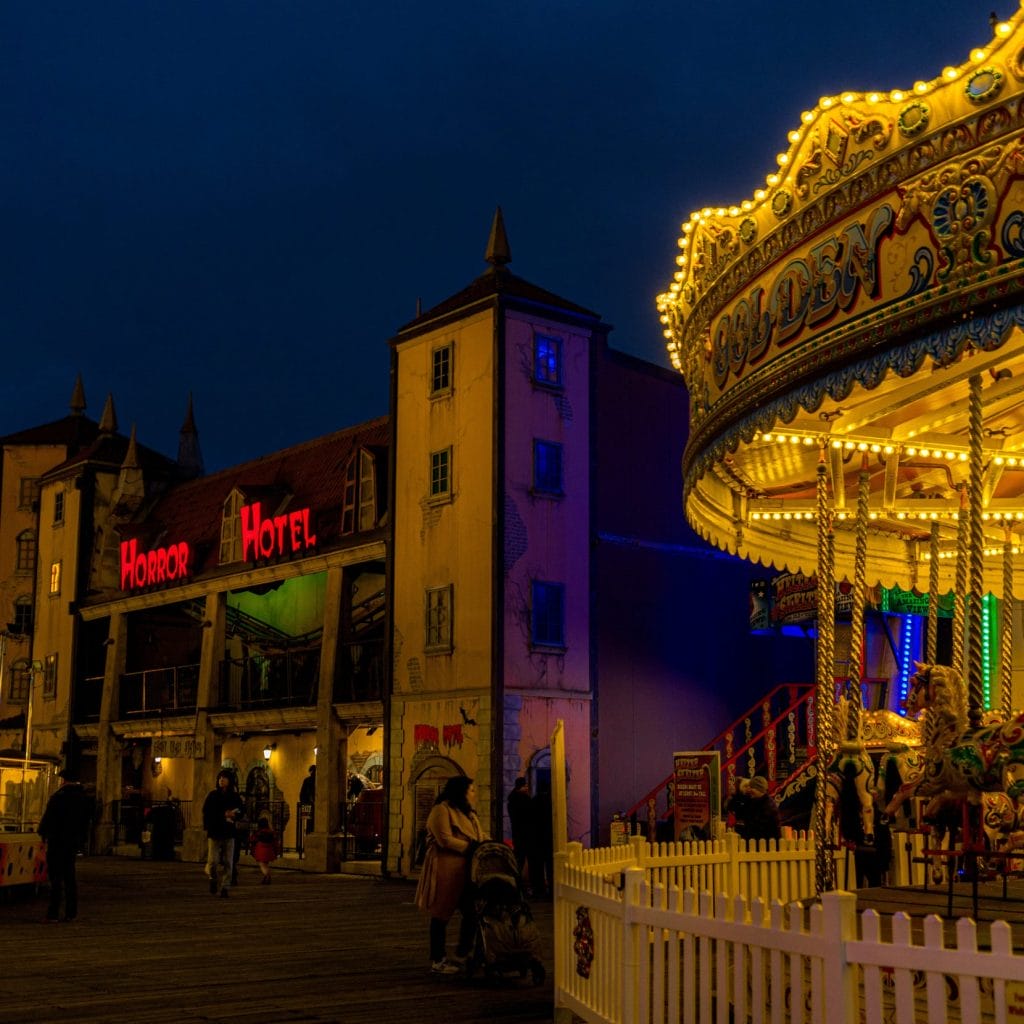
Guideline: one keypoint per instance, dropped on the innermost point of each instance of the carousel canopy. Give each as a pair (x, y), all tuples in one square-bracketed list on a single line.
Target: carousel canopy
[(863, 311)]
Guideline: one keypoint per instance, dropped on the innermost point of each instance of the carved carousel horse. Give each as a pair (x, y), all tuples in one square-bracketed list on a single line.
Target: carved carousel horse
[(961, 765), (848, 781)]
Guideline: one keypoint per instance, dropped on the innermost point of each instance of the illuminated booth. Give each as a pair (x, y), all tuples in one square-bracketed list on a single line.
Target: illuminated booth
[(851, 339)]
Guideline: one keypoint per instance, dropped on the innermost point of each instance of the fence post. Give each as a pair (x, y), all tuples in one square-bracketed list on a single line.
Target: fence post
[(639, 847), (839, 926), (571, 855), (634, 946), (732, 881)]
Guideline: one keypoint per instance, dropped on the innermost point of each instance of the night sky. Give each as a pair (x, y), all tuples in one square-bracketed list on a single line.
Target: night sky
[(245, 200)]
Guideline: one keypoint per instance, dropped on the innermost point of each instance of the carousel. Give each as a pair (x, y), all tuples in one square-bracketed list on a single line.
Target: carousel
[(852, 340)]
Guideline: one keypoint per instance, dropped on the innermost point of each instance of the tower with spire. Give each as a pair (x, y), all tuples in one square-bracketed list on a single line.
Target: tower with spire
[(491, 596)]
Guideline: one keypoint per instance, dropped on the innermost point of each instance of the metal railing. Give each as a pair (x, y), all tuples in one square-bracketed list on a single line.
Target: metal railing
[(159, 689), (131, 817), (270, 680)]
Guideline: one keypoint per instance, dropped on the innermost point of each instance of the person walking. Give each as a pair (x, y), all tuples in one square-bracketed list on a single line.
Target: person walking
[(520, 819), (221, 810), (453, 832), (64, 827), (307, 797), (264, 847)]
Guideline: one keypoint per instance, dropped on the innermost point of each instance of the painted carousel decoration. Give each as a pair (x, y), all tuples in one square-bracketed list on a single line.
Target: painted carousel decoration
[(852, 339)]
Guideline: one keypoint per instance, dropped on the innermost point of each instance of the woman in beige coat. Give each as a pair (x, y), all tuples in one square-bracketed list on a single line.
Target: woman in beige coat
[(453, 830)]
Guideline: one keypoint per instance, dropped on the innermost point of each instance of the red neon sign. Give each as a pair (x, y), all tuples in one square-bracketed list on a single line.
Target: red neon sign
[(286, 534), (158, 565)]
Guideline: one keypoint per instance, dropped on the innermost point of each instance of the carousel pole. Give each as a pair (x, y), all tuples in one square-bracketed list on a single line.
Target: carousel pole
[(931, 652), (825, 688), (975, 688), (960, 587), (1006, 631), (860, 588)]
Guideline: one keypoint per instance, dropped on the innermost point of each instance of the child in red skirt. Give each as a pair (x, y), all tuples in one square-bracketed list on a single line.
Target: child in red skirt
[(264, 847)]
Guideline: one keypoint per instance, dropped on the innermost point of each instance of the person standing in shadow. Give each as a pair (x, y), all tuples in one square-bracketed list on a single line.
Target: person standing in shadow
[(520, 819), (64, 827), (307, 797), (542, 855)]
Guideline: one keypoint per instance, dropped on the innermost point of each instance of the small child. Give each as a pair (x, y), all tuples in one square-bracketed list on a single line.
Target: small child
[(264, 847)]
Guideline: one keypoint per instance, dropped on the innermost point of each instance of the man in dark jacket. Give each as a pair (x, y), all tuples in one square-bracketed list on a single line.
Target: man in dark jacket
[(64, 828), (520, 818), (221, 809)]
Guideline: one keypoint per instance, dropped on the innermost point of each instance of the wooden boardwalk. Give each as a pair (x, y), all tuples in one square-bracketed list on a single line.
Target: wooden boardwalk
[(152, 945)]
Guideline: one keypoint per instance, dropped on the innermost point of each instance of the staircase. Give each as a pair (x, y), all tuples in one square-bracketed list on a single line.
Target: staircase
[(774, 738)]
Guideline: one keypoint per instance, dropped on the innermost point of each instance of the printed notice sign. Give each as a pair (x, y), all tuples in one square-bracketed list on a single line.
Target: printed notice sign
[(696, 798)]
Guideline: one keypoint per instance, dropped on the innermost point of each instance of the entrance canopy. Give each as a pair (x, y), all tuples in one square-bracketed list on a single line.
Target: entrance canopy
[(858, 312)]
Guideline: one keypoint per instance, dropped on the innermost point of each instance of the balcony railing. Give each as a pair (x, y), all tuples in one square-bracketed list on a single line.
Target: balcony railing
[(88, 697), (159, 689), (359, 674), (270, 680)]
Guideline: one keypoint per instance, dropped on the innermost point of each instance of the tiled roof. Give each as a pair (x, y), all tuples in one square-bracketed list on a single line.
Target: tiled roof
[(494, 282), (70, 431), (110, 450), (309, 475)]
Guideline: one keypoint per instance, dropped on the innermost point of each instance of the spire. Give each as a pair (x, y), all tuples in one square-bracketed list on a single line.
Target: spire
[(498, 251), (190, 458), (108, 421), (131, 484), (78, 397)]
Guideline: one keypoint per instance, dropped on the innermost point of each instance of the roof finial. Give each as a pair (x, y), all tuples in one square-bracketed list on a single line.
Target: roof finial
[(190, 458), (108, 421), (78, 397), (498, 251)]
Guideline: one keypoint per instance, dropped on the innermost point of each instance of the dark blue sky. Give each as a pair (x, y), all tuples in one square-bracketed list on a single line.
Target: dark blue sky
[(245, 200)]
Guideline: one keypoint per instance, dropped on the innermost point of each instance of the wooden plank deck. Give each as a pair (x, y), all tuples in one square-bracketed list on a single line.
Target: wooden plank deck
[(151, 944)]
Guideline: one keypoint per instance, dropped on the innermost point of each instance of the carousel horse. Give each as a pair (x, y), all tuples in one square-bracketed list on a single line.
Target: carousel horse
[(963, 768), (848, 782)]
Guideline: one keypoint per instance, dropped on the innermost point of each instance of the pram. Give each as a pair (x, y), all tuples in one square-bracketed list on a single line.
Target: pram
[(507, 939)]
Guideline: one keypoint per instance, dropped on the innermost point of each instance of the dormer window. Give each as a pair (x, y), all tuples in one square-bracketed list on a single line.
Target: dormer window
[(359, 500), (231, 528)]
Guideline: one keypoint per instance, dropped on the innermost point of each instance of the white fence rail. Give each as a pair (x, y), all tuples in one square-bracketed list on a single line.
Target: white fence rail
[(699, 934)]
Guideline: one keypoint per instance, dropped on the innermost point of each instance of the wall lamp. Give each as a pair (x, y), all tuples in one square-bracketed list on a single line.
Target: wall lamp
[(268, 750)]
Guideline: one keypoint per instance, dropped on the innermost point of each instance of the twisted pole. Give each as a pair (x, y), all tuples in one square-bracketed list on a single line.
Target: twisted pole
[(824, 694), (931, 652), (1006, 631), (860, 554), (960, 587), (975, 682)]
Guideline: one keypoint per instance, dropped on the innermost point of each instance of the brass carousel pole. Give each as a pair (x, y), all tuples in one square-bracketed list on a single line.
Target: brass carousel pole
[(825, 688), (860, 594), (975, 687), (960, 587), (932, 649), (1006, 631)]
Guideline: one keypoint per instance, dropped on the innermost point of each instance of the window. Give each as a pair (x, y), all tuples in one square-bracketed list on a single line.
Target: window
[(547, 467), (18, 681), (231, 528), (439, 619), (58, 507), (25, 563), (50, 676), (28, 492), (441, 474), (547, 360), (547, 616), (441, 370), (55, 568), (359, 496), (22, 624)]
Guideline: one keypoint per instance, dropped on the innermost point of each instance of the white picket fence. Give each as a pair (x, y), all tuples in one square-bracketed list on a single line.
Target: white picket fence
[(706, 933)]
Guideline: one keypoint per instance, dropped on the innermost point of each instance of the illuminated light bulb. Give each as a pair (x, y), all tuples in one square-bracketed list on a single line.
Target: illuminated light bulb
[(950, 456), (925, 452), (950, 73), (901, 515), (772, 179), (934, 515), (733, 210), (781, 438), (826, 102), (720, 212), (807, 116), (862, 446), (922, 515), (873, 515), (706, 212), (688, 227), (663, 319), (897, 95), (848, 97), (776, 515), (759, 193), (681, 260), (849, 446), (978, 55), (837, 444), (808, 440), (888, 449), (782, 159), (920, 87), (794, 136), (999, 460), (766, 437), (787, 515), (667, 334), (755, 515), (911, 451), (962, 457), (876, 448), (986, 516), (795, 439), (873, 97), (1012, 461), (1003, 29), (747, 204)]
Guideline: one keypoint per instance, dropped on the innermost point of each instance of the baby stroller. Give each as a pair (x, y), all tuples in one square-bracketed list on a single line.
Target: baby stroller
[(507, 939)]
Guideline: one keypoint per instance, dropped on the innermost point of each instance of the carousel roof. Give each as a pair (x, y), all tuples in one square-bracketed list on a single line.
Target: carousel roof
[(843, 315)]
